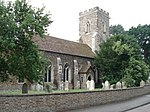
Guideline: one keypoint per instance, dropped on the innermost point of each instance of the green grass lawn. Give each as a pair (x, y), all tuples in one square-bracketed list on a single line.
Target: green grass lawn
[(42, 92), (20, 92)]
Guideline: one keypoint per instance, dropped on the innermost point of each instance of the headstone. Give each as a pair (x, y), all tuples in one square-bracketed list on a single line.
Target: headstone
[(118, 85), (124, 85), (147, 82), (25, 88), (33, 87), (61, 85), (107, 85), (66, 85), (112, 86), (149, 79), (78, 84), (103, 84), (92, 85), (88, 83), (142, 83), (39, 87)]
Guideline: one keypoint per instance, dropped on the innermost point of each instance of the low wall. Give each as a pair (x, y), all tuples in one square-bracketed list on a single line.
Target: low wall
[(65, 101), (10, 86)]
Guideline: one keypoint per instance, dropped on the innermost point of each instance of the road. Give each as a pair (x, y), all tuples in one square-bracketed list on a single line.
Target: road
[(145, 108), (139, 104)]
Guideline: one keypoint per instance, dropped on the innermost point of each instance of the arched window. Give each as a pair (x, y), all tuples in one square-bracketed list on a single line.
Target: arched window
[(48, 73), (104, 27), (66, 72), (87, 29)]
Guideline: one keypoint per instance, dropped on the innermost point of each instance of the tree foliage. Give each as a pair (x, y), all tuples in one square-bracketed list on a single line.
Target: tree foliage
[(116, 29), (19, 56), (142, 33), (119, 59)]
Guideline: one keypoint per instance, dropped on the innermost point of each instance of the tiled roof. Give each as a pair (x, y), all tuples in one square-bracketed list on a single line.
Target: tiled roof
[(54, 44), (84, 69)]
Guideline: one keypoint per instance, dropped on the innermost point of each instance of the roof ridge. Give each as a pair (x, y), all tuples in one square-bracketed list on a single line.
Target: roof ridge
[(65, 40)]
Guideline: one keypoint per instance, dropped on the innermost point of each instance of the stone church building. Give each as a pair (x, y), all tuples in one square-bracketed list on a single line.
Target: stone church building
[(72, 62)]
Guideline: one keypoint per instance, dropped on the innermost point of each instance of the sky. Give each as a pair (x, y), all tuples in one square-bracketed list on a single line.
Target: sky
[(65, 14)]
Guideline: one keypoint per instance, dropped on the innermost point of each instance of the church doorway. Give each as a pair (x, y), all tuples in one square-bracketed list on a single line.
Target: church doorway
[(89, 78)]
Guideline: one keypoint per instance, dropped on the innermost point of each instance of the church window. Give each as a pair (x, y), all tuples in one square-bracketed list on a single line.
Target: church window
[(104, 27), (66, 73), (48, 74), (87, 29)]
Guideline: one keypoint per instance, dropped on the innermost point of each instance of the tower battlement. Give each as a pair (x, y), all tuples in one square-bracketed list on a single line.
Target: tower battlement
[(95, 9)]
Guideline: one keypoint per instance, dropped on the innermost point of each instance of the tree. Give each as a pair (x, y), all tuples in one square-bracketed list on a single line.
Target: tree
[(142, 33), (19, 56), (119, 59), (116, 29)]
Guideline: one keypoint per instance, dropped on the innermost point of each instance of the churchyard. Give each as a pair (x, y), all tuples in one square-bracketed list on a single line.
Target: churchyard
[(39, 89), (43, 92)]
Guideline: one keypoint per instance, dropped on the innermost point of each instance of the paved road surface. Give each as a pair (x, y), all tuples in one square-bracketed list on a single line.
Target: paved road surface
[(124, 106), (145, 108)]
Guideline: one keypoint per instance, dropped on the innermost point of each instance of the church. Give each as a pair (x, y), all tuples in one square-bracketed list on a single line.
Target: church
[(71, 63)]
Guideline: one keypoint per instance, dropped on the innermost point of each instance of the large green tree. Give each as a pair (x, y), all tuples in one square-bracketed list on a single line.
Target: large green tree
[(142, 33), (116, 29), (19, 56), (119, 59)]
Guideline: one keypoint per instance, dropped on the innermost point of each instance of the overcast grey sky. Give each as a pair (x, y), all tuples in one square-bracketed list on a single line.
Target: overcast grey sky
[(65, 14)]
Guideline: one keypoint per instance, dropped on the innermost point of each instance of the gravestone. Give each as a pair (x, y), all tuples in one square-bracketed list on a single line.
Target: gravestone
[(66, 85), (78, 84), (118, 85), (88, 84), (39, 87), (61, 85), (123, 85), (142, 83), (92, 85), (25, 88), (103, 84), (33, 87), (147, 81), (107, 85), (112, 86)]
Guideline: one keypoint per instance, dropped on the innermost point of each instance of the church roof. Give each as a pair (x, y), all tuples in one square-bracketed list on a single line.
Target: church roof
[(84, 69), (54, 44)]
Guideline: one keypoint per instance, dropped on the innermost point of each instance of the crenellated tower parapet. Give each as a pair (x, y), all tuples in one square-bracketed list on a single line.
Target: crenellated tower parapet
[(93, 10)]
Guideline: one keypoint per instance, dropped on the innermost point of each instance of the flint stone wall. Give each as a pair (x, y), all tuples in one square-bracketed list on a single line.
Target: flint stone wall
[(55, 102), (8, 86)]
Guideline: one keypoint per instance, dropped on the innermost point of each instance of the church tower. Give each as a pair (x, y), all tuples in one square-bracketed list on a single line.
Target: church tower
[(93, 27)]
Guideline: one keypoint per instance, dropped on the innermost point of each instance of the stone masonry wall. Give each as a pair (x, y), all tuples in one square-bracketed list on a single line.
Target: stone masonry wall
[(60, 102), (8, 86), (52, 57), (98, 20)]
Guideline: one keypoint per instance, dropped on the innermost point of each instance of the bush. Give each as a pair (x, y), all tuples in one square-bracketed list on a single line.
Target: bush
[(48, 88)]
